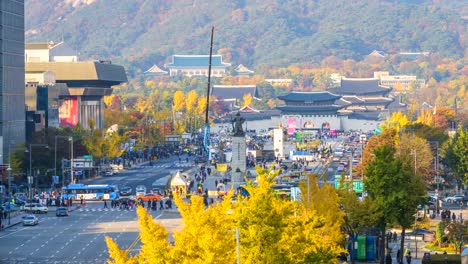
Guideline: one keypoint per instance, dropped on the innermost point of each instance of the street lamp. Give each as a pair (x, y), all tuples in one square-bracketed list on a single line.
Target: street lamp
[(71, 156), (30, 163)]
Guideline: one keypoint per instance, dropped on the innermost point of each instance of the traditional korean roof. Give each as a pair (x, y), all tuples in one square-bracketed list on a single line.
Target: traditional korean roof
[(248, 109), (378, 100), (155, 71), (360, 87), (197, 61), (377, 53), (309, 109), (242, 70), (309, 97), (353, 99), (226, 92), (367, 115)]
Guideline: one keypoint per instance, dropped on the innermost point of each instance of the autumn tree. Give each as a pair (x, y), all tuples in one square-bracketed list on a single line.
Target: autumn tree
[(179, 101), (246, 100), (417, 152)]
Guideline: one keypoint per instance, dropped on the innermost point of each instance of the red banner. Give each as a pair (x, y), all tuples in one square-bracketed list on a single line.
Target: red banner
[(68, 112)]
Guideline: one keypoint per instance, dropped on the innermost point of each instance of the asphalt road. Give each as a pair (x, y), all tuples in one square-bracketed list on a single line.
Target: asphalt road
[(79, 238)]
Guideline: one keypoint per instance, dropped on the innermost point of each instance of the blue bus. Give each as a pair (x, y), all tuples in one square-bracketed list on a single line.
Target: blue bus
[(90, 192)]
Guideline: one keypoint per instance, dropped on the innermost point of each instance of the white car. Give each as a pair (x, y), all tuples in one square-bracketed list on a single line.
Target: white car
[(30, 220), (140, 190), (36, 208)]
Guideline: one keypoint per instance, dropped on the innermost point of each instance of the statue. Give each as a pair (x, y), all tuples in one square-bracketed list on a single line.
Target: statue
[(237, 125)]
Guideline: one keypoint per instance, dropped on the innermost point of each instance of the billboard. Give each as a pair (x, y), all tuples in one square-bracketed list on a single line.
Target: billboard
[(291, 125), (68, 112)]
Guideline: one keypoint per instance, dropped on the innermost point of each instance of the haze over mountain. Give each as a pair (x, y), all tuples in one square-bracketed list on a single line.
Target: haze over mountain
[(139, 33)]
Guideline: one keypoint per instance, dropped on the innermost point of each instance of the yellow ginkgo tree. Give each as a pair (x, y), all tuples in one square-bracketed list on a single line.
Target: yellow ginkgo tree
[(270, 228)]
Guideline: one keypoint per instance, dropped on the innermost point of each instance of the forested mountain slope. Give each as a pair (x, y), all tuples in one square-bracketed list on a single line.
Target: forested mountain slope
[(139, 33)]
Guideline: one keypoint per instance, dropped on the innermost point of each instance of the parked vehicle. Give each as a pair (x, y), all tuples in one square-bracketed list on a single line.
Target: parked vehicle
[(30, 220)]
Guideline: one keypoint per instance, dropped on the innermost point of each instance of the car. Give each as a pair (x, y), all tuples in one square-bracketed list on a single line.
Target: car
[(140, 190), (125, 191), (36, 208), (454, 199), (108, 173), (30, 220), (61, 211), (149, 197)]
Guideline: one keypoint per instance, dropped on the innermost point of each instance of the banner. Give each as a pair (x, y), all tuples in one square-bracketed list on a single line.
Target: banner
[(68, 112), (291, 126), (221, 167)]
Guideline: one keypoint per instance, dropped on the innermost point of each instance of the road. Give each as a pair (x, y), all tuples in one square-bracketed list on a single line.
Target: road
[(79, 238)]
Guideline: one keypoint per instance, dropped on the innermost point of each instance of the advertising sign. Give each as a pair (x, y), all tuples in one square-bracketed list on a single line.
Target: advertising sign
[(291, 126), (68, 112)]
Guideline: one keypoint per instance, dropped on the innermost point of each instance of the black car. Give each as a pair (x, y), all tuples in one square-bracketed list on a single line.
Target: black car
[(61, 211), (126, 191)]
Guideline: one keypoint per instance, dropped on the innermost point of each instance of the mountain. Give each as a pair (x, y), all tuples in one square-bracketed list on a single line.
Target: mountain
[(139, 33)]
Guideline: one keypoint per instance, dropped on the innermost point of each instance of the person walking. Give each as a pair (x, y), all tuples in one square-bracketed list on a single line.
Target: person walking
[(81, 199), (388, 258), (408, 257), (105, 204)]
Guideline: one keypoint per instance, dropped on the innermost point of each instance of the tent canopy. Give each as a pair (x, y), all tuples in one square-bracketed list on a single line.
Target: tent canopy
[(178, 180)]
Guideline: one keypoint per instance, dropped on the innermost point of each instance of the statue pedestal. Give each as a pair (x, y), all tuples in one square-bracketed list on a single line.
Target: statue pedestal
[(238, 163)]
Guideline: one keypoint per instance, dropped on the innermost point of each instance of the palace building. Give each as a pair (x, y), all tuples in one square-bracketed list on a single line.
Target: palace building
[(197, 65)]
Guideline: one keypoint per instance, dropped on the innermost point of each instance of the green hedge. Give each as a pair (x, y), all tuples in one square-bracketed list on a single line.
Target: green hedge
[(440, 258)]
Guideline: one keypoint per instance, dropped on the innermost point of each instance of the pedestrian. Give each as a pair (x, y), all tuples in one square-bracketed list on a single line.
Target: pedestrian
[(105, 204), (408, 257), (454, 217), (81, 199), (388, 258), (398, 255), (394, 237), (161, 204), (149, 204)]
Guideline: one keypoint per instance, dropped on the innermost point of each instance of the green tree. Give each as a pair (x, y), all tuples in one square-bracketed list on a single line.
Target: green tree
[(457, 155), (394, 189)]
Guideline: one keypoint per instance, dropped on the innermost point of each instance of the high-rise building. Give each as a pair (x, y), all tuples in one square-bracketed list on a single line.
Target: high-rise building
[(12, 109)]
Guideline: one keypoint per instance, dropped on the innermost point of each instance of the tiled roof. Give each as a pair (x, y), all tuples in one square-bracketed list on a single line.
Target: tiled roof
[(309, 96), (155, 71), (312, 108), (368, 115), (241, 69), (378, 100), (224, 92), (197, 61), (353, 99), (360, 87)]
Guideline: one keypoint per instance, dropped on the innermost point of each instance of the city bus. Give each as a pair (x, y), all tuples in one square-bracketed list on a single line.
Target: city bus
[(90, 192)]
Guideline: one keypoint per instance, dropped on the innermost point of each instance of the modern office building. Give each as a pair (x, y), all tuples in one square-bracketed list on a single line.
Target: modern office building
[(12, 110), (78, 86)]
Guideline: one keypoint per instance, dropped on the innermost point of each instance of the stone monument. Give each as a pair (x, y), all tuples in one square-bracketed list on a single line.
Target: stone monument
[(238, 162)]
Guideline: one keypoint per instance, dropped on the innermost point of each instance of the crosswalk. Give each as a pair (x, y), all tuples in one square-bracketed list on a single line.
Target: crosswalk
[(114, 209), (170, 165)]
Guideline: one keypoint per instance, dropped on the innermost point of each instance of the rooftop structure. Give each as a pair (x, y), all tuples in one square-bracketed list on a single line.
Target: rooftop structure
[(197, 65), (360, 87), (233, 92), (242, 70), (310, 103), (87, 83), (155, 71), (50, 52)]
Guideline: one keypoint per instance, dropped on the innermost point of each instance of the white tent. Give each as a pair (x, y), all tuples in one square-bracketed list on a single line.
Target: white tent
[(178, 182)]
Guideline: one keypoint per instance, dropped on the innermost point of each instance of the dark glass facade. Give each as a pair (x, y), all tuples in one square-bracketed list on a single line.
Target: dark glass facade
[(12, 86)]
